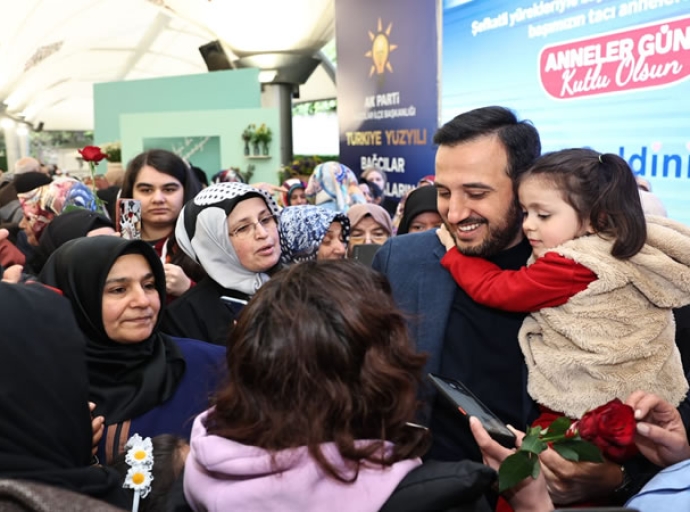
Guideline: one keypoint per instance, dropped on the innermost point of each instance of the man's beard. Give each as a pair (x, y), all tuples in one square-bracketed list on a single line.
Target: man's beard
[(498, 238)]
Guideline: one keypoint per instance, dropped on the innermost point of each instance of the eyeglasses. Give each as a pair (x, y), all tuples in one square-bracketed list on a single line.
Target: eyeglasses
[(249, 229), (378, 238)]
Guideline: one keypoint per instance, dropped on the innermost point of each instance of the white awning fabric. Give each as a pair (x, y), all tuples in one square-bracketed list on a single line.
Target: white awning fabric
[(52, 52)]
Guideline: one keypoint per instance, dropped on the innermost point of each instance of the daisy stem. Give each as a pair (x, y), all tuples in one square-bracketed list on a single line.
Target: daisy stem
[(135, 503)]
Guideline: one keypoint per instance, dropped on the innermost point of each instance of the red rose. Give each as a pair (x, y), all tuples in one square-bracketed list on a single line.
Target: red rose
[(92, 154), (611, 428)]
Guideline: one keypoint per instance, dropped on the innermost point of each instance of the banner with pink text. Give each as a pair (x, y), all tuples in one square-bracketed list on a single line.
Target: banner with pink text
[(612, 75)]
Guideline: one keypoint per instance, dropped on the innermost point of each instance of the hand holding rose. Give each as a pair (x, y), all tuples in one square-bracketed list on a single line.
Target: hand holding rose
[(661, 436), (611, 428)]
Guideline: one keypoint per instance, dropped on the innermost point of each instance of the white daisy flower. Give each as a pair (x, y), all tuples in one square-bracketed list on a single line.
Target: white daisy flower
[(139, 451), (139, 480)]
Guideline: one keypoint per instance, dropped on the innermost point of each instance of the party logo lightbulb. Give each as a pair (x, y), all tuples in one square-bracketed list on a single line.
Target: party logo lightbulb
[(381, 49)]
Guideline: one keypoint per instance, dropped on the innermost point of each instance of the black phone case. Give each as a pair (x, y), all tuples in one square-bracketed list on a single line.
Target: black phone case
[(364, 253), (500, 433)]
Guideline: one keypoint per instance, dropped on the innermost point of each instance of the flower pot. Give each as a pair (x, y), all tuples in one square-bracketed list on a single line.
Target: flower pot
[(264, 148), (246, 148), (257, 150)]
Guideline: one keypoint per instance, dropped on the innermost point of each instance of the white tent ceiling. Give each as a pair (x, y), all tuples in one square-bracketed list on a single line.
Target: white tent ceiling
[(53, 51)]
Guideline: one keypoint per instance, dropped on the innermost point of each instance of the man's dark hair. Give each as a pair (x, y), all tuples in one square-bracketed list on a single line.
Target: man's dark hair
[(519, 138)]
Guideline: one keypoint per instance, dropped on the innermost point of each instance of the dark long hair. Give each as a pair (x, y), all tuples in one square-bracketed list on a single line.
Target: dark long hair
[(169, 163), (165, 162), (602, 190), (329, 361)]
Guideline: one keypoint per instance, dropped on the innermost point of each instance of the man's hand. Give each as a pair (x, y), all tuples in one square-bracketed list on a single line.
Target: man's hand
[(445, 237), (572, 482), (176, 281), (97, 427), (661, 436), (530, 495)]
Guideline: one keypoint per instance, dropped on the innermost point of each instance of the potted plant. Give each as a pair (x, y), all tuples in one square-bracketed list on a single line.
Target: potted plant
[(113, 152), (301, 167), (247, 136), (263, 136)]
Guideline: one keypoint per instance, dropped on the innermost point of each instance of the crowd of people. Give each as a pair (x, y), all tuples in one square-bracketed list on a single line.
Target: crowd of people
[(274, 371)]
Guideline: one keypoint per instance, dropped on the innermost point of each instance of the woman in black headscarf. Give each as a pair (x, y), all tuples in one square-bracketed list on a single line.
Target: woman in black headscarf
[(421, 212), (45, 430), (141, 380), (66, 227)]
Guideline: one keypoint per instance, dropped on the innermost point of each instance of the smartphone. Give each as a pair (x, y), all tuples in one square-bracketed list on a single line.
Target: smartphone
[(129, 218), (461, 398), (235, 305), (364, 253), (597, 509)]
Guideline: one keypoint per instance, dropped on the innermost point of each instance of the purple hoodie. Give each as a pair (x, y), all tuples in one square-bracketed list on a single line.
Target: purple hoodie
[(221, 474)]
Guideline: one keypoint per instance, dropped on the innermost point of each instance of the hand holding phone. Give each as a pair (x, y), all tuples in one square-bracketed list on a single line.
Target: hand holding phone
[(364, 253), (235, 305), (129, 218), (457, 395)]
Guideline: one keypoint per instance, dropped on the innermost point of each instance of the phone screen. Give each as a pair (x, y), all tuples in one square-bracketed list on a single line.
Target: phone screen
[(129, 218), (469, 405), (235, 305), (364, 253)]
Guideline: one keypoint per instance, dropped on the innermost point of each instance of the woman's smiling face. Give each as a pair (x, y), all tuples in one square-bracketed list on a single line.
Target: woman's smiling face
[(130, 303)]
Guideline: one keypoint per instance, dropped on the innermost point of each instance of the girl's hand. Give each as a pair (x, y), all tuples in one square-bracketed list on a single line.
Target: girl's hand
[(176, 281), (445, 237)]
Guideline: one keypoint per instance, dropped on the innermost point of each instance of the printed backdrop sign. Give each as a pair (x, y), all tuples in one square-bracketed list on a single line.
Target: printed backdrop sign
[(202, 152), (388, 87), (607, 74)]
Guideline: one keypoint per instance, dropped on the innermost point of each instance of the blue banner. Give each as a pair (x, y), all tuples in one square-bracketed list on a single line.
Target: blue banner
[(611, 75), (388, 87)]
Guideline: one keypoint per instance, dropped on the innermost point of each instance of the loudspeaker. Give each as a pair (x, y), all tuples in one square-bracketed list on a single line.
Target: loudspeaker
[(214, 56)]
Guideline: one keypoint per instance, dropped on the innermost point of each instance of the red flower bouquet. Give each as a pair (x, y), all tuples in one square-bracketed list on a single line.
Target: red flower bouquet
[(608, 430), (611, 428), (93, 155)]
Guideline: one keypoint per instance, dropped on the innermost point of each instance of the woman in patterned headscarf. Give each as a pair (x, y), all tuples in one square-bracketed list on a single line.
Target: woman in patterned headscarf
[(313, 233), (231, 230), (41, 205), (334, 186), (294, 194)]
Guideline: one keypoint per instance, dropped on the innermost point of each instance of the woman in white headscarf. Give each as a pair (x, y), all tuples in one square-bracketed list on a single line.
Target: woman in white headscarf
[(231, 230)]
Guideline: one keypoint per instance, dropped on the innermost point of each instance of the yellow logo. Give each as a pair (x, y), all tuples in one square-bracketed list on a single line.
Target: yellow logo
[(381, 49)]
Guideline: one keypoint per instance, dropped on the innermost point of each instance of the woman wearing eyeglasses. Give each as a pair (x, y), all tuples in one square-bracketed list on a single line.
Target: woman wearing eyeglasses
[(231, 230), (369, 224)]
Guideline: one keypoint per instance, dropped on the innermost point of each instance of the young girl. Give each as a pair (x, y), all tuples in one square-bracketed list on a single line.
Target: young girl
[(600, 285)]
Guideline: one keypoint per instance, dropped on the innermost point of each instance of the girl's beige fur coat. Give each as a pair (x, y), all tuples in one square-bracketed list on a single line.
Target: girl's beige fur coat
[(618, 335)]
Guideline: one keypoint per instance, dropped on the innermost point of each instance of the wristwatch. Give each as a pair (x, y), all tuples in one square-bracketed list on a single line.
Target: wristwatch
[(624, 490)]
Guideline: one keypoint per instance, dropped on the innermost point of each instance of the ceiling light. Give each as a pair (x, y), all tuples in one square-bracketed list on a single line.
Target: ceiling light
[(267, 76)]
